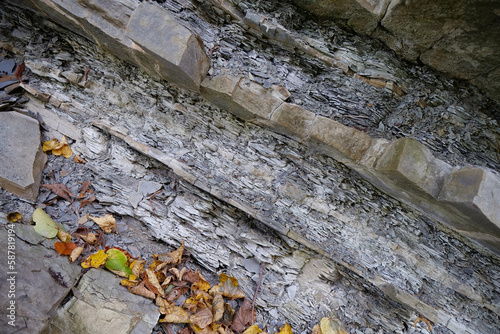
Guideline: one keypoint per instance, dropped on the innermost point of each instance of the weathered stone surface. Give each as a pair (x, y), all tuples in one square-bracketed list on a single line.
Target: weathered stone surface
[(475, 192), (41, 279), (414, 166), (174, 52), (219, 90), (341, 142), (293, 120), (21, 156), (101, 305)]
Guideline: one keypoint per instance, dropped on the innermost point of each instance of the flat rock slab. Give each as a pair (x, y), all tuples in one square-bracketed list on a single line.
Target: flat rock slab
[(101, 305), (37, 281), (21, 156)]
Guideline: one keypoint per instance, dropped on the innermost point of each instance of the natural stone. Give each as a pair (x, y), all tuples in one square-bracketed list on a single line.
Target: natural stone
[(21, 156), (341, 142), (414, 166), (41, 279), (173, 51), (292, 119), (101, 305), (475, 192), (219, 91)]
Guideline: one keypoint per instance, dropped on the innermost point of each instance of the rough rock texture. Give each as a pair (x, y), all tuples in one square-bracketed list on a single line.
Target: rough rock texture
[(455, 37), (21, 156)]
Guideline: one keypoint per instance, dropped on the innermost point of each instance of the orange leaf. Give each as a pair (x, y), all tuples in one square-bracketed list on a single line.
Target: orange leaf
[(64, 248)]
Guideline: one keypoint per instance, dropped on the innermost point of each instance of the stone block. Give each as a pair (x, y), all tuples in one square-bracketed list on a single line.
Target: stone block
[(475, 192), (173, 52), (21, 156), (293, 120), (341, 142), (411, 165), (219, 90), (101, 305), (256, 101)]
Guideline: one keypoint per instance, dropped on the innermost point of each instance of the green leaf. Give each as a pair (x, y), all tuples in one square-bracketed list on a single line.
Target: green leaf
[(44, 224), (117, 262)]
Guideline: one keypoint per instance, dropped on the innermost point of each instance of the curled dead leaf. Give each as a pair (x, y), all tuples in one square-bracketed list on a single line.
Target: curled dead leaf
[(75, 254), (254, 329), (177, 315), (202, 318), (60, 190), (107, 223), (63, 235), (13, 217), (58, 147), (218, 307), (141, 290), (285, 329), (78, 159), (153, 280), (172, 257), (243, 317), (165, 307)]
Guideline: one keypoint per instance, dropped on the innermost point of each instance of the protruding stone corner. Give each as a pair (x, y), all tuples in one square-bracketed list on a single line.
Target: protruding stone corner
[(21, 157), (292, 120), (475, 191), (219, 90), (411, 165), (341, 142), (171, 50)]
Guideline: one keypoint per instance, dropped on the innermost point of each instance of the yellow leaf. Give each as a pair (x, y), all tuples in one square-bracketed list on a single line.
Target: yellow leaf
[(128, 283), (154, 281), (254, 329), (50, 145), (13, 217), (285, 329), (95, 260), (165, 306), (106, 223), (228, 287), (177, 316), (218, 307), (332, 325)]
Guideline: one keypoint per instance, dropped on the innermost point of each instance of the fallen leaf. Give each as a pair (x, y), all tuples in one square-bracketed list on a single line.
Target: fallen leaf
[(141, 290), (106, 223), (176, 316), (285, 329), (13, 217), (191, 276), (201, 283), (19, 71), (86, 201), (117, 263), (218, 307), (58, 147), (332, 325), (64, 248), (90, 238), (165, 307), (85, 187), (228, 287), (63, 235), (316, 329), (175, 293), (83, 219), (45, 225), (60, 190), (172, 257), (254, 329), (178, 274), (153, 280), (228, 316), (243, 317), (78, 159), (202, 318), (185, 330), (95, 260), (422, 319), (138, 267), (128, 283), (75, 254)]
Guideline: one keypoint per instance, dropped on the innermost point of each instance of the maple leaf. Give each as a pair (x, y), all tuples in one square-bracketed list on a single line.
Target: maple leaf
[(172, 257), (64, 248), (332, 325), (107, 223), (243, 317)]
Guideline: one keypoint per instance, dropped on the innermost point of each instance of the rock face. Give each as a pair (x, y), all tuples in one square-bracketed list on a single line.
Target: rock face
[(21, 156), (455, 37)]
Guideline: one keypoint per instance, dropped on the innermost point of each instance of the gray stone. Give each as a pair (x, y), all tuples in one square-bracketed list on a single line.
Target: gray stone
[(170, 50), (101, 305), (475, 192), (21, 156), (42, 279), (413, 166), (339, 141)]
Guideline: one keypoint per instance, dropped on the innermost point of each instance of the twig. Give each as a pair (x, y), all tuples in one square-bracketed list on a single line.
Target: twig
[(257, 289), (151, 198), (87, 70)]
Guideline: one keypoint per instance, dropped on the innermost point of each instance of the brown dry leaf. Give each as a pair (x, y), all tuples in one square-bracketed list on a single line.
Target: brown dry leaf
[(138, 267), (287, 329), (83, 219), (154, 281), (254, 329), (84, 188), (427, 322), (155, 265), (141, 290), (177, 316), (86, 201), (218, 307), (202, 318), (91, 238), (228, 316), (106, 223), (200, 283), (191, 276), (316, 329), (64, 248), (206, 330), (75, 254), (165, 307), (13, 217), (332, 325), (228, 287), (60, 190), (243, 317), (78, 159), (185, 330), (178, 274), (175, 293), (63, 235), (172, 257), (166, 282)]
